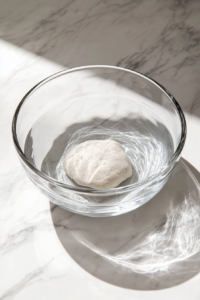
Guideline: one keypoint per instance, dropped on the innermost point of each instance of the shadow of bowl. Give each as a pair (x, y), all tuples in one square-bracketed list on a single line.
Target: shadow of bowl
[(153, 247)]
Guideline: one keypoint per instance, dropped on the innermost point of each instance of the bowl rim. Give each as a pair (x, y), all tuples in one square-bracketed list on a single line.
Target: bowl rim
[(85, 190)]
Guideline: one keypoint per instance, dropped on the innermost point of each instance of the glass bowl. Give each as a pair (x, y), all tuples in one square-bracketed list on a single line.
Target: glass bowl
[(99, 102)]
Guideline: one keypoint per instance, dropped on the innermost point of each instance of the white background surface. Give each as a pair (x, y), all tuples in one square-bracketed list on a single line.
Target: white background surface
[(38, 38)]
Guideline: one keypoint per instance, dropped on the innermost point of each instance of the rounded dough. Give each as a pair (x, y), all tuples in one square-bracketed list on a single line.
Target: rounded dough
[(99, 164)]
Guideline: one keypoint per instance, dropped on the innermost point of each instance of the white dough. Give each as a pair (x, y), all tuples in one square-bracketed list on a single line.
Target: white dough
[(99, 164)]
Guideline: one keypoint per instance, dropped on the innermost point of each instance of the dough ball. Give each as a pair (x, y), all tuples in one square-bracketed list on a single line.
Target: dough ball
[(98, 164)]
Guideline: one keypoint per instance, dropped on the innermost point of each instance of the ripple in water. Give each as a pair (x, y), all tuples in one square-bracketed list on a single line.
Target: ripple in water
[(147, 155)]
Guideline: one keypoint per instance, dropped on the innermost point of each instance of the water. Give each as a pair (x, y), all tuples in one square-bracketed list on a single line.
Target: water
[(147, 142), (146, 154)]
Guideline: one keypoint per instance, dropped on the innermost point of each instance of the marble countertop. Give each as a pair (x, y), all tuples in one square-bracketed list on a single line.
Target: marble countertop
[(39, 256)]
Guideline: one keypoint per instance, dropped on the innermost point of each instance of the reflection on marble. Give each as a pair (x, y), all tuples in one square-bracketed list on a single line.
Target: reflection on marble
[(155, 243), (34, 262)]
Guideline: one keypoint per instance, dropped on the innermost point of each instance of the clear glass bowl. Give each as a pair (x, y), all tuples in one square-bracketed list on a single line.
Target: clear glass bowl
[(99, 102)]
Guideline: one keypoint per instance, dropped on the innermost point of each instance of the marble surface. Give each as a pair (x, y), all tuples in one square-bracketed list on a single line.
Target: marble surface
[(153, 247), (37, 38)]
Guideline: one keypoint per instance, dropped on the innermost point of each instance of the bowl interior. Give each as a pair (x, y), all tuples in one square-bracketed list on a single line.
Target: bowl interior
[(99, 103)]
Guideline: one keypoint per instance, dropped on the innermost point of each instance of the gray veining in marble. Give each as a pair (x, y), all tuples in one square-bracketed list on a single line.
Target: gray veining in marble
[(37, 38), (158, 38)]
